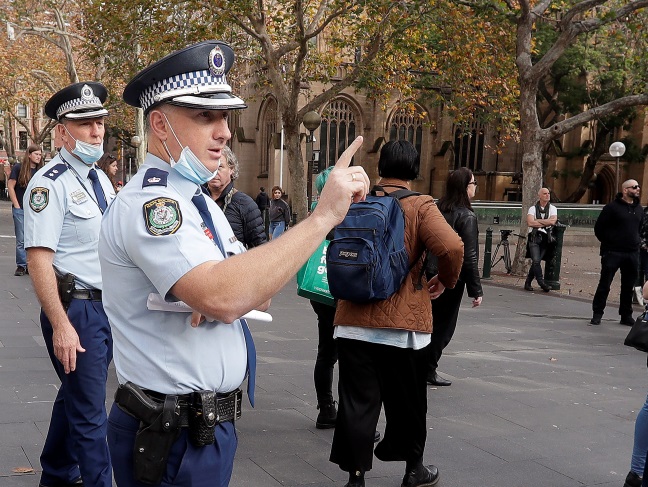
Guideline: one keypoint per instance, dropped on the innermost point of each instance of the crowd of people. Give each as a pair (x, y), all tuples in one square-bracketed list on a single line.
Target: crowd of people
[(93, 251)]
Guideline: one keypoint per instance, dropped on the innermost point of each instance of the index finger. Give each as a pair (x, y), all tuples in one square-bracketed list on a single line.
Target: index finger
[(345, 159)]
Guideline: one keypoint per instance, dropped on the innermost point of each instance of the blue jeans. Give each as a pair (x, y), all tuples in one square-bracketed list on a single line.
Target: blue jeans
[(19, 228), (277, 228), (640, 441)]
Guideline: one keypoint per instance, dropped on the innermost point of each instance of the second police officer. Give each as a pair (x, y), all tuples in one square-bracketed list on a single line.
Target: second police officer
[(64, 202)]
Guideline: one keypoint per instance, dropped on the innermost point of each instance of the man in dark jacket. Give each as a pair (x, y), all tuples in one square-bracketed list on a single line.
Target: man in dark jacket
[(262, 200), (617, 228), (240, 209)]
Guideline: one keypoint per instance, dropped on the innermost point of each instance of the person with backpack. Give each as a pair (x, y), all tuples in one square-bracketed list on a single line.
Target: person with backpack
[(381, 343), (540, 218), (456, 208)]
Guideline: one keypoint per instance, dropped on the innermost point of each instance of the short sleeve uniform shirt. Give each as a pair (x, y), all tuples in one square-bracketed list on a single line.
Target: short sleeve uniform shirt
[(151, 236), (62, 214)]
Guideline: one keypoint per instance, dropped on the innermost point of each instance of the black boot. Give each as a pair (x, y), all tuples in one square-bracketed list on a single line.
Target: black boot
[(327, 416), (632, 480), (356, 479), (421, 476), (527, 283), (545, 287)]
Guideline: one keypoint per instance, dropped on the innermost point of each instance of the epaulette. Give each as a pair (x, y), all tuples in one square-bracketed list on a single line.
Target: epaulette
[(155, 177), (56, 171)]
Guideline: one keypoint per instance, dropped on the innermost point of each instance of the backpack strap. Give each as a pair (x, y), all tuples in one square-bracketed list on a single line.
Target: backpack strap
[(398, 195)]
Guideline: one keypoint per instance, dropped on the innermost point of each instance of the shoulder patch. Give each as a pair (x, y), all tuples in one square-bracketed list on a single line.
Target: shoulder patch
[(162, 216), (155, 177), (56, 171), (38, 199)]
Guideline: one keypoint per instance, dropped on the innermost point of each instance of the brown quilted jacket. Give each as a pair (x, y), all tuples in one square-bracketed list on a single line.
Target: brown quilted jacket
[(409, 308)]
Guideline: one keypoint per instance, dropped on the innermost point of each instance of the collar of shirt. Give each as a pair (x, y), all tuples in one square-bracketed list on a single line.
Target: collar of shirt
[(185, 188), (81, 169)]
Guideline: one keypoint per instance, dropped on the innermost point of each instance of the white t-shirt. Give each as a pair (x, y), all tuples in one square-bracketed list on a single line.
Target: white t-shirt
[(553, 211)]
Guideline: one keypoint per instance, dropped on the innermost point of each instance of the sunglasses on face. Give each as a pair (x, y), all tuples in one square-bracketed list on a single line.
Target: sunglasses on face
[(472, 182), (636, 186)]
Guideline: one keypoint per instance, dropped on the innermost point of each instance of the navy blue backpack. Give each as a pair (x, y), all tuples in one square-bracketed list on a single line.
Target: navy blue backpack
[(367, 260)]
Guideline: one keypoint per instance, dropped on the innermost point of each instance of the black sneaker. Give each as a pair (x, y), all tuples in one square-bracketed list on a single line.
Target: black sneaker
[(632, 480), (20, 271), (421, 476), (327, 416)]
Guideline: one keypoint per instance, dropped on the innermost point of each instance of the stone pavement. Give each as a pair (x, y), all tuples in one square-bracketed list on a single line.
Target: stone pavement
[(539, 397)]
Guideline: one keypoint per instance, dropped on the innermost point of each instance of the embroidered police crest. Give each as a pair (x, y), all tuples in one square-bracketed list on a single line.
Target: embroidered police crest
[(38, 199), (162, 216)]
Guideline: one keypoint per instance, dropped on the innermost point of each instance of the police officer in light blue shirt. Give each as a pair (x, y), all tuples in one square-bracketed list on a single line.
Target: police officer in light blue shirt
[(164, 241), (64, 202)]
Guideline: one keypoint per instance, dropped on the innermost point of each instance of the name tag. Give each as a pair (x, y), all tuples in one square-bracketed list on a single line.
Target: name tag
[(79, 197)]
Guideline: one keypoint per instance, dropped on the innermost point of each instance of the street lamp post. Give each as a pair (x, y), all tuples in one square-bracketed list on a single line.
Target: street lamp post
[(136, 141), (311, 121), (617, 149)]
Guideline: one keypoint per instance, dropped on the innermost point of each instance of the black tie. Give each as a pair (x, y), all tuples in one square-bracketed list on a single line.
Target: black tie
[(98, 190), (199, 201)]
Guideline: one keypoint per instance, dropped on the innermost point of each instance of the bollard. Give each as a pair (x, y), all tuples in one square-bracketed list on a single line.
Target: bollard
[(294, 219), (552, 266), (488, 244)]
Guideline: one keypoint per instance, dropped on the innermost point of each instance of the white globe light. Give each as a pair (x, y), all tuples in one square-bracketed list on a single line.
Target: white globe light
[(617, 149)]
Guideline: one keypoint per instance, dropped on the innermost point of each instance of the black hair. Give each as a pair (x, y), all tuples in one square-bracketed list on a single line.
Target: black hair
[(456, 190), (399, 159)]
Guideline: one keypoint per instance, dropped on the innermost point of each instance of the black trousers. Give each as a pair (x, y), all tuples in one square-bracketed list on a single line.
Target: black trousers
[(445, 311), (611, 262), (327, 354), (537, 250), (372, 375)]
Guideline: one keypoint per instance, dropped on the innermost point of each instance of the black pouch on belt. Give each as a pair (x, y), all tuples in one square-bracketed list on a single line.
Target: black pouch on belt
[(65, 284), (159, 428), (203, 417)]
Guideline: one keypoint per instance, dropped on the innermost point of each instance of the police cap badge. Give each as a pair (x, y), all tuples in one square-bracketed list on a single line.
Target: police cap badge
[(192, 77), (78, 101)]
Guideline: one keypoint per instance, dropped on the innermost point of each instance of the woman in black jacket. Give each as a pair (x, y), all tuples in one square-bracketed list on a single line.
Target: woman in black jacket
[(456, 208), (241, 211)]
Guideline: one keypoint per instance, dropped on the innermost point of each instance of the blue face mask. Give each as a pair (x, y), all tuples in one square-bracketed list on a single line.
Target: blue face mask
[(188, 165), (88, 153)]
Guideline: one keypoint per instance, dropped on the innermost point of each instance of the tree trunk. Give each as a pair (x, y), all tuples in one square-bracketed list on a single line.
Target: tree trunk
[(296, 169)]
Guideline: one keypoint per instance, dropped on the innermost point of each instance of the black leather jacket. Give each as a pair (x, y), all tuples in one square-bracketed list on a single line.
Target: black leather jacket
[(464, 222)]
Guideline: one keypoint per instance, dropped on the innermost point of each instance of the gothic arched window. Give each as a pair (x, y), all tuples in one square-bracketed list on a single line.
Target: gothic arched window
[(268, 131), (407, 125), (337, 131), (469, 145)]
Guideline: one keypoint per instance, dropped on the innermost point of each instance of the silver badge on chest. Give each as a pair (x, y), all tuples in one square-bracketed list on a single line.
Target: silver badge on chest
[(79, 197)]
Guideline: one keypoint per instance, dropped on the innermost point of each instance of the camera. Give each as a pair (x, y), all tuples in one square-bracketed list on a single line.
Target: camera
[(505, 233)]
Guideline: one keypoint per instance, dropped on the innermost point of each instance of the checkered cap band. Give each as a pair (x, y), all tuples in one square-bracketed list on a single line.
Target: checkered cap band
[(193, 83), (78, 104)]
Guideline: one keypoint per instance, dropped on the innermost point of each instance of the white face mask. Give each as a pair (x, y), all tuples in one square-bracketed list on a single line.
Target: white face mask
[(188, 165), (88, 153)]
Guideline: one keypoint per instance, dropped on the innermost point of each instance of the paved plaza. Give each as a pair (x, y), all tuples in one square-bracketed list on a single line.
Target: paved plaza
[(539, 397)]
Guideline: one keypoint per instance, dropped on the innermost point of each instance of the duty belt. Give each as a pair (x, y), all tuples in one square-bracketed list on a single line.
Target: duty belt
[(90, 294), (228, 406)]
